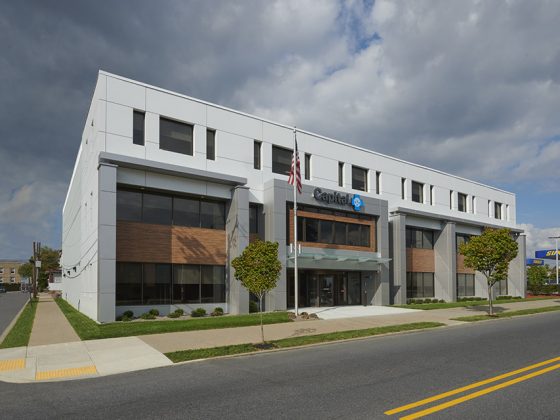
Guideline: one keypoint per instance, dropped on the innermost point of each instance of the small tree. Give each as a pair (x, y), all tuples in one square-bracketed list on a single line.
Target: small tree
[(537, 275), (490, 254), (258, 268)]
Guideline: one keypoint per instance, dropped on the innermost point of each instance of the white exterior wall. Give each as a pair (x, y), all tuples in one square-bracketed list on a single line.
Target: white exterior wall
[(236, 132), (109, 127)]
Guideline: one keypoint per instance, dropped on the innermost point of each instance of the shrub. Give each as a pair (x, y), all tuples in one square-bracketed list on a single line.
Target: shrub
[(198, 312), (179, 311), (154, 312), (441, 301), (253, 307), (173, 315), (217, 312), (128, 314), (126, 318), (435, 300), (147, 315), (427, 300)]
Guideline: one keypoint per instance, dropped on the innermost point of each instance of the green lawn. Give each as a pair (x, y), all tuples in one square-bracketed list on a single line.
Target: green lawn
[(429, 306), (87, 329), (21, 331), (510, 314), (184, 355)]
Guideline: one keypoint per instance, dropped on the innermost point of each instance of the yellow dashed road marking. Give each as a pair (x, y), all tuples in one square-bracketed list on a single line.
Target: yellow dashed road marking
[(12, 364), (65, 373)]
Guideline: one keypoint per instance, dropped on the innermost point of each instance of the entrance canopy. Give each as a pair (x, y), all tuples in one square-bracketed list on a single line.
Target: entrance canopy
[(338, 261)]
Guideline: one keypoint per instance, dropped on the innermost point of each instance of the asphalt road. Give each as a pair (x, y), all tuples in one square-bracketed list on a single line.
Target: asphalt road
[(10, 305), (358, 379)]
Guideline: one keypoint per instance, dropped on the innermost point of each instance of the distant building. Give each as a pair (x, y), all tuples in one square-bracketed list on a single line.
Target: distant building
[(9, 271)]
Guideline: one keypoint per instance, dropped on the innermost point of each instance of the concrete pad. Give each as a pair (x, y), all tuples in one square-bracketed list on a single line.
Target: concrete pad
[(24, 375), (13, 353), (340, 312), (117, 355), (60, 356)]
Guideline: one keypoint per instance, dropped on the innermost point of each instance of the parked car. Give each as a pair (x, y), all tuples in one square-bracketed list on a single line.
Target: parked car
[(2, 289)]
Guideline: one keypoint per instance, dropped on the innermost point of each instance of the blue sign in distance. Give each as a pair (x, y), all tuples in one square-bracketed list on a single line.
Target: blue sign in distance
[(357, 202)]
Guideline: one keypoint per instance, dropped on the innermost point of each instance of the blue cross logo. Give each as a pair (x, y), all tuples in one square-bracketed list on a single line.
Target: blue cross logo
[(357, 202)]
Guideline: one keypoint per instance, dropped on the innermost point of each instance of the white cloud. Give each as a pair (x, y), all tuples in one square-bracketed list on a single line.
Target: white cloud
[(538, 238)]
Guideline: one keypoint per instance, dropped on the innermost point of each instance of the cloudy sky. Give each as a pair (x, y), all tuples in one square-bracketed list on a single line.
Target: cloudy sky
[(468, 87)]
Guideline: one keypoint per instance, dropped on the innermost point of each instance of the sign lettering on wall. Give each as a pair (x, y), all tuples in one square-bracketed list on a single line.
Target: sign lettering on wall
[(342, 199)]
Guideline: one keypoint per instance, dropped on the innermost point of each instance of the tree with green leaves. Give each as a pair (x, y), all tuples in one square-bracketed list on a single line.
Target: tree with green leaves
[(490, 254), (537, 276), (50, 260), (258, 268)]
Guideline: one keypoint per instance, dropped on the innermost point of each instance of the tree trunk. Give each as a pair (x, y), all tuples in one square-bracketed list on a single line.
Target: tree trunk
[(490, 307), (261, 312)]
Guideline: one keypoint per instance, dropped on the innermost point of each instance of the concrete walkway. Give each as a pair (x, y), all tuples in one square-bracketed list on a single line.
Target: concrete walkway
[(79, 359), (50, 325)]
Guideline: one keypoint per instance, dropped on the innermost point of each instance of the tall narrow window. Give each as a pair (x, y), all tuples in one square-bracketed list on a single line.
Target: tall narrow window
[(473, 207), (498, 210), (341, 174), (138, 128), (378, 182), (359, 178), (462, 202), (403, 188), (175, 136), (451, 200), (210, 144), (432, 197), (307, 166), (417, 192), (257, 154)]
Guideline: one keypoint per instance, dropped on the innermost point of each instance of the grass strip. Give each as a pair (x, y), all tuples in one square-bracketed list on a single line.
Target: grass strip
[(521, 312), (87, 329), (21, 331), (446, 305), (185, 355)]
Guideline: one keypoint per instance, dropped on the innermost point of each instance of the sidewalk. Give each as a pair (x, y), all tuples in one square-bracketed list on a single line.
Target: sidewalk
[(56, 360)]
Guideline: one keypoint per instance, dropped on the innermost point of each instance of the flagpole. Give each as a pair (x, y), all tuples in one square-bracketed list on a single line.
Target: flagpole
[(296, 284)]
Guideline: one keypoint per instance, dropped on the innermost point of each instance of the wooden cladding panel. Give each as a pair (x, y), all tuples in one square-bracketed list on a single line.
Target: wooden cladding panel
[(142, 242), (370, 223), (461, 269), (420, 260)]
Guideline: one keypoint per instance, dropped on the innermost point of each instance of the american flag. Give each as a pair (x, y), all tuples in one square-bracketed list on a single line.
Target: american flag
[(297, 177)]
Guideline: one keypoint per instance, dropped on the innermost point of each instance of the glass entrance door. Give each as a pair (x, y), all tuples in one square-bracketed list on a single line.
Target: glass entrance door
[(326, 286)]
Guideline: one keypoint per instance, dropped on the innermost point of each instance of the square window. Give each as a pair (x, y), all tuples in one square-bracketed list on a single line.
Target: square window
[(281, 160), (175, 136), (359, 178)]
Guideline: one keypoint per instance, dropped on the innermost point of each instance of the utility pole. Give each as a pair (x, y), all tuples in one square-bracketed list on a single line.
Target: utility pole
[(36, 265)]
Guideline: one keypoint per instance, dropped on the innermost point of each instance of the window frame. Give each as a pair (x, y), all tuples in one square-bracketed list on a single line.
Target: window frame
[(307, 165), (365, 174), (420, 186), (135, 140), (170, 140), (257, 154), (275, 164), (210, 133), (462, 200), (341, 174)]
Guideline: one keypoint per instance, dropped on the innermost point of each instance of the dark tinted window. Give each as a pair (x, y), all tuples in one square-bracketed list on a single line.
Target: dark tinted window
[(210, 144), (419, 238), (186, 212), (213, 284), (311, 230), (378, 182), (186, 283), (129, 205), (175, 136), (281, 160), (212, 215), (257, 155), (461, 202), (157, 284), (340, 174), (254, 216), (465, 285), (138, 128), (403, 188), (417, 192), (156, 209), (359, 178), (307, 166), (498, 210), (326, 231), (419, 285), (340, 233), (128, 284)]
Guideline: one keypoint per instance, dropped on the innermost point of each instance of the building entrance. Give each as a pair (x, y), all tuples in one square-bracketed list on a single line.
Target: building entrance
[(326, 288)]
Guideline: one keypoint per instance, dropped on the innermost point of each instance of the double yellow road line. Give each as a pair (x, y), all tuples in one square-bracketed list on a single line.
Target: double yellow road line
[(476, 394)]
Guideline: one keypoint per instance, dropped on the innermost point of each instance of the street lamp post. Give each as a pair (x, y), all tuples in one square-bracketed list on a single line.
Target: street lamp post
[(556, 248)]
